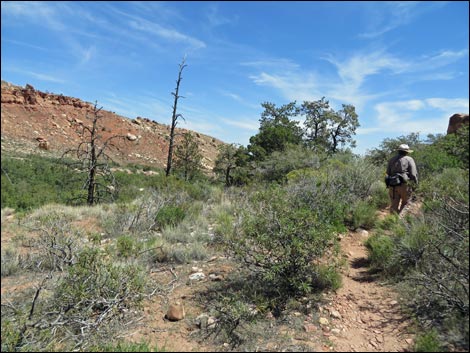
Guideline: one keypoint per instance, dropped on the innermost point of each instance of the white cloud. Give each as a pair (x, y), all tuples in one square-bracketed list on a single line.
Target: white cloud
[(242, 123), (239, 99), (278, 64), (166, 33), (215, 18), (35, 11), (448, 104), (425, 116), (293, 86), (353, 73), (36, 75), (385, 16), (358, 67), (23, 44)]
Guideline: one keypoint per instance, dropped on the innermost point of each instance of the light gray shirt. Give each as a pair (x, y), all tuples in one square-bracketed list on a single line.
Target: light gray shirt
[(403, 165)]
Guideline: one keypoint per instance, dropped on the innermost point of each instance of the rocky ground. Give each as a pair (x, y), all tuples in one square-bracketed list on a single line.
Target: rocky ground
[(363, 316)]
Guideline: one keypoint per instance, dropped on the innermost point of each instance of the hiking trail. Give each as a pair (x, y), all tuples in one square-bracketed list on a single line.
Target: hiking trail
[(370, 318)]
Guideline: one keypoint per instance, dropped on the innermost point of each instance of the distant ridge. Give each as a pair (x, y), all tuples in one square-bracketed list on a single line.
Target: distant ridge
[(29, 116)]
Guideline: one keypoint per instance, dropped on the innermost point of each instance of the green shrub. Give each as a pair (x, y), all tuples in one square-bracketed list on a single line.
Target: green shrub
[(281, 239), (10, 262), (389, 222), (127, 246), (31, 181), (379, 195), (380, 250), (224, 224), (363, 214), (328, 277), (11, 335), (428, 342), (186, 254), (96, 290), (170, 215)]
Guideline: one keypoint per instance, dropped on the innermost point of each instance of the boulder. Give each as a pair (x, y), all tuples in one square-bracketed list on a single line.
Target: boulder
[(43, 143), (456, 121), (175, 312)]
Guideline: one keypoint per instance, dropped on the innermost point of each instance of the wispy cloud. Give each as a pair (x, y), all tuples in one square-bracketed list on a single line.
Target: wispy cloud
[(239, 99), (350, 84), (23, 44), (52, 17), (293, 86), (272, 64), (457, 105), (429, 115), (36, 75), (246, 124), (215, 18), (439, 60), (385, 16), (35, 11), (167, 33)]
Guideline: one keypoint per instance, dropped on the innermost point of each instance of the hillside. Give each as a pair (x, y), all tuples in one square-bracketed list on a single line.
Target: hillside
[(29, 115)]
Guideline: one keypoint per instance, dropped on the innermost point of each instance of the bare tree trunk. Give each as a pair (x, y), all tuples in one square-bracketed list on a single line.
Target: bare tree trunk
[(93, 160), (174, 118)]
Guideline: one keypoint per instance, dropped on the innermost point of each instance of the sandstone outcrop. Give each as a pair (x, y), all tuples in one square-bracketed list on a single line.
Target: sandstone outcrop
[(456, 121), (28, 114)]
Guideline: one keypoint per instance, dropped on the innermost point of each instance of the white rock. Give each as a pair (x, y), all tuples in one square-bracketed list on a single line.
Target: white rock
[(197, 276)]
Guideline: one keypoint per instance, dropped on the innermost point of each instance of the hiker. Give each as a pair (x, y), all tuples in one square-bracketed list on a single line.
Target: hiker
[(400, 170)]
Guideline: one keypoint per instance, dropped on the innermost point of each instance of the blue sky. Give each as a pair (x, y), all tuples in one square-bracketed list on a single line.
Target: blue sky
[(403, 65)]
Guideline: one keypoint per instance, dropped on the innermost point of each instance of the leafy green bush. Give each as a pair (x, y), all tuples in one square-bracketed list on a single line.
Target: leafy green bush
[(328, 277), (380, 250), (11, 335), (127, 246), (279, 164), (170, 215), (282, 240), (429, 254), (363, 214), (428, 342), (10, 262), (379, 194), (186, 254), (31, 181)]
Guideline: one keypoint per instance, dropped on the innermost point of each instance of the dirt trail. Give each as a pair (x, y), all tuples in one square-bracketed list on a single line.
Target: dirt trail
[(370, 320)]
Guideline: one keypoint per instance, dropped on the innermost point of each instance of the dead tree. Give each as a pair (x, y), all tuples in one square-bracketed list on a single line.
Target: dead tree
[(90, 157), (174, 118)]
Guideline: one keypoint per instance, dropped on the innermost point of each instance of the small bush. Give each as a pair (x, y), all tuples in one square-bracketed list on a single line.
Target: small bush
[(363, 215), (186, 254), (282, 240), (428, 342), (224, 225), (10, 262), (380, 250), (127, 246), (328, 277), (379, 195), (170, 216)]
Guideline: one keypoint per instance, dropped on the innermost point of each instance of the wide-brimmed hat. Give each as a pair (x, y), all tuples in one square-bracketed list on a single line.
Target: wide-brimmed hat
[(404, 147)]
